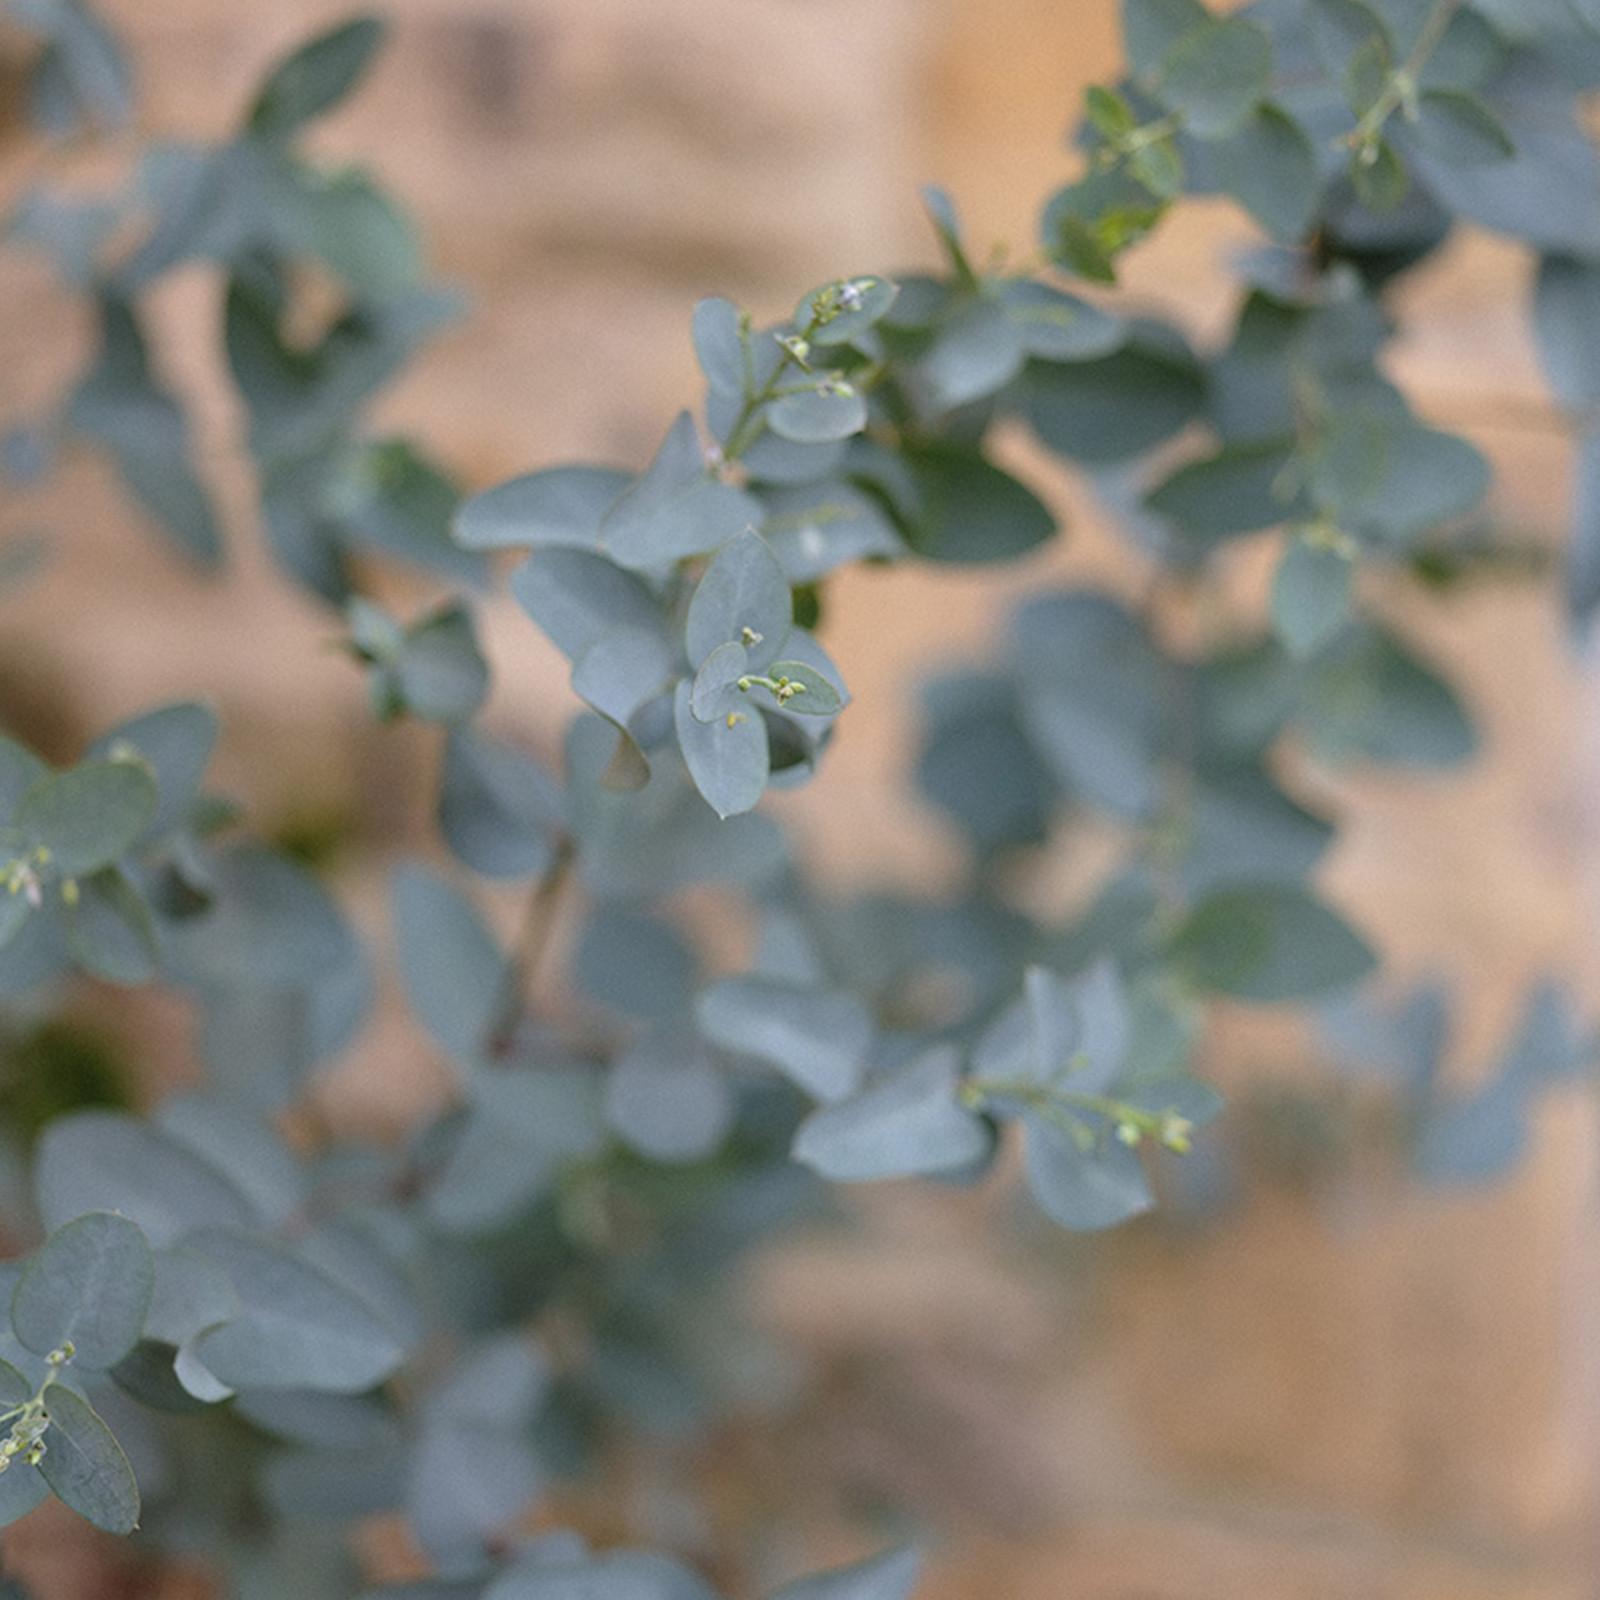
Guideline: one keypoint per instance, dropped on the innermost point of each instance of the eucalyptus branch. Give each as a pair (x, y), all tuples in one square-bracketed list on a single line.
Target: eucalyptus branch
[(748, 424), (30, 1421), (526, 958), (1057, 1104), (1400, 91)]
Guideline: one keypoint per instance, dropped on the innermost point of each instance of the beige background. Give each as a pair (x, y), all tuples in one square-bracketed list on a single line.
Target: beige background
[(1355, 1391)]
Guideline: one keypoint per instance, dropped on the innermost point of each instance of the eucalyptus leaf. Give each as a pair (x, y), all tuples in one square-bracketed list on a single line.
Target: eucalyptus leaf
[(575, 596), (1459, 128), (1270, 943), (1056, 326), (728, 759), (968, 510), (1241, 489), (314, 78), (1150, 28), (1216, 74), (1311, 595), (500, 811), (818, 527), (721, 347), (453, 969), (440, 672), (834, 409), (297, 1328), (88, 816), (110, 929), (1566, 321), (22, 1489), (715, 692), (809, 692), (676, 508), (175, 742), (1086, 1185), (121, 404), (666, 1098), (1117, 406), (844, 310), (1270, 166), (558, 506), (85, 1466), (743, 597), (907, 1122), (817, 1037), (978, 348), (87, 1289), (105, 1160)]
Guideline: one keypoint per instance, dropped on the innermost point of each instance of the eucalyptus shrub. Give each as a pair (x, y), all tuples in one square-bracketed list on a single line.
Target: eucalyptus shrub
[(281, 1338)]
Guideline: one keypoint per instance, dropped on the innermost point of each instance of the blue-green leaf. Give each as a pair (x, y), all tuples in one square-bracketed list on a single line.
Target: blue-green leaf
[(815, 528), (1269, 165), (1311, 595), (558, 506), (500, 811), (314, 78), (666, 1098), (1270, 942), (121, 404), (808, 689), (520, 1130), (1583, 543), (843, 310), (720, 346), (104, 1160), (715, 692), (1240, 489), (1460, 129), (676, 508), (175, 742), (440, 672), (110, 929), (1367, 698), (1118, 406), (1150, 28), (451, 965), (576, 595), (743, 597), (817, 1037), (88, 1286), (624, 670), (978, 348), (1056, 326), (908, 1121), (22, 1489), (88, 816), (969, 510), (1091, 692), (243, 1144), (1216, 74), (297, 1328), (85, 1466), (1566, 321), (1085, 1185), (832, 410), (636, 964), (942, 212), (728, 759)]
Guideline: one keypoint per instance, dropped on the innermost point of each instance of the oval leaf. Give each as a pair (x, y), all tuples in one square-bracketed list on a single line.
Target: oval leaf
[(85, 1465), (88, 1286)]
